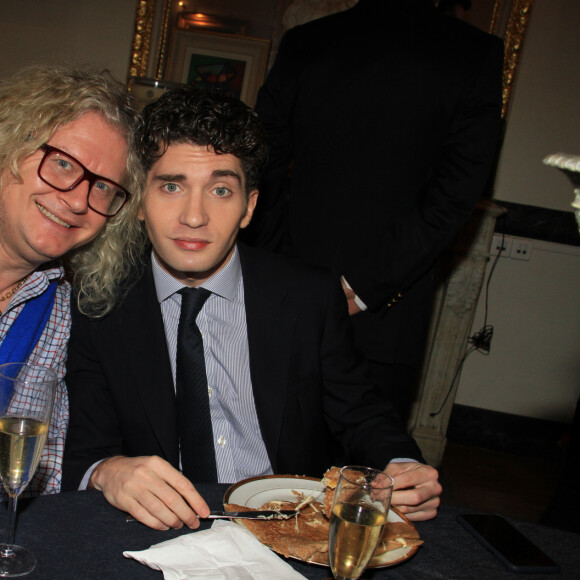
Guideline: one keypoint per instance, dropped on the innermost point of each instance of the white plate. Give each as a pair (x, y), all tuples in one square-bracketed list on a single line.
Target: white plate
[(256, 491)]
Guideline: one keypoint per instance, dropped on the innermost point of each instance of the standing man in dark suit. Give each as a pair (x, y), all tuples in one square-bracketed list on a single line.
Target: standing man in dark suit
[(388, 115), (285, 389)]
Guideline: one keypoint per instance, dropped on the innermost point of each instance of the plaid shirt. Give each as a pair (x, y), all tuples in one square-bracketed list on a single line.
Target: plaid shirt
[(51, 352)]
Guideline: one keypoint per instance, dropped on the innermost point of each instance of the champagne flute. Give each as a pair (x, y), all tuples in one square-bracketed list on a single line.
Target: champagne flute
[(27, 394), (359, 513)]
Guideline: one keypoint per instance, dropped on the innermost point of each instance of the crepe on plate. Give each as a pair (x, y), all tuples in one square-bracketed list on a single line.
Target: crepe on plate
[(306, 536)]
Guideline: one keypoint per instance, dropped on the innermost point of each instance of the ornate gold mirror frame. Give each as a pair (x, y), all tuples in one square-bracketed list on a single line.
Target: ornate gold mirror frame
[(509, 20), (150, 36)]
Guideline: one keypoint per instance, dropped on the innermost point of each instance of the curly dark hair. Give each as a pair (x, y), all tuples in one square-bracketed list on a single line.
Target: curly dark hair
[(190, 115)]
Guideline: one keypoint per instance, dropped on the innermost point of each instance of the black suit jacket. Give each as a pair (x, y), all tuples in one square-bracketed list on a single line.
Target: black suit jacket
[(389, 115), (309, 383)]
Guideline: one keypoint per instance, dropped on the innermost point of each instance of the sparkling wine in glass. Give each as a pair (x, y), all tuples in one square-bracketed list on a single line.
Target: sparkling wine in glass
[(27, 394), (359, 513)]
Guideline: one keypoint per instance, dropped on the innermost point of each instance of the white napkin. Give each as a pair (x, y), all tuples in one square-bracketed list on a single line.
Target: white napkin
[(227, 551)]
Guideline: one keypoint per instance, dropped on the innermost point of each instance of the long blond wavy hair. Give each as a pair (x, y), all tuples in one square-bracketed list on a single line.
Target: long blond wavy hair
[(34, 103)]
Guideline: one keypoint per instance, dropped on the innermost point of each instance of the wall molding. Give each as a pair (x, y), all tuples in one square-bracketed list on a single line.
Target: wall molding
[(538, 223)]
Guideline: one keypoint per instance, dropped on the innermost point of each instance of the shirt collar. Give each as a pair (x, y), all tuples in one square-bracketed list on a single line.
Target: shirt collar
[(50, 272), (223, 283)]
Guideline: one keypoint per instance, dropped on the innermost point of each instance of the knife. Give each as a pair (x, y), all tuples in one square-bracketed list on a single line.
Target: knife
[(250, 515), (254, 515)]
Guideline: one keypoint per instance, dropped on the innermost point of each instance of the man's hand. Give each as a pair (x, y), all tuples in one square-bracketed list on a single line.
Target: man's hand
[(151, 490), (350, 296), (416, 489)]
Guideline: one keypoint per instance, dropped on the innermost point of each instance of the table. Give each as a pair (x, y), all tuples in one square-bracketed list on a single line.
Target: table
[(78, 535)]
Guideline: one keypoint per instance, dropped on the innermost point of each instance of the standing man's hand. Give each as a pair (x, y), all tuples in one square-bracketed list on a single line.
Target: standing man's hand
[(353, 307), (151, 490)]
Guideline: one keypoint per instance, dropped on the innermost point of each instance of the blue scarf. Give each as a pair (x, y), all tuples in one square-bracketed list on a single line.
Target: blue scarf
[(25, 332)]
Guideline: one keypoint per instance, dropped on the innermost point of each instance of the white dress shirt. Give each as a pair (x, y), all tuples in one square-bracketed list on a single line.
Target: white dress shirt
[(239, 448)]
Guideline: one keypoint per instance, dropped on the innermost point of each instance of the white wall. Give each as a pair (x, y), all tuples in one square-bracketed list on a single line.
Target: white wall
[(533, 367), (93, 32)]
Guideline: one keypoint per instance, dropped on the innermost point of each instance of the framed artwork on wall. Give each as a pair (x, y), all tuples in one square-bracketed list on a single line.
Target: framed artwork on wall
[(229, 63)]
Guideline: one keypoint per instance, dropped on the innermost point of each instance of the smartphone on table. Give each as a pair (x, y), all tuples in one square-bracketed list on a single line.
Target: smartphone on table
[(507, 543)]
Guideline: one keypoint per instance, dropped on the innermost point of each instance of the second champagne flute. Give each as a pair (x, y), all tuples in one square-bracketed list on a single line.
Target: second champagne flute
[(26, 400), (359, 513)]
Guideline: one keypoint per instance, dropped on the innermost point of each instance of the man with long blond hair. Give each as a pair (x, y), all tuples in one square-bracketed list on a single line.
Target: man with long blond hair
[(66, 169)]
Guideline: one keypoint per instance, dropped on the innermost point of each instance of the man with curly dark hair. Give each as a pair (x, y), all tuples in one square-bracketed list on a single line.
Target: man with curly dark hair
[(277, 386)]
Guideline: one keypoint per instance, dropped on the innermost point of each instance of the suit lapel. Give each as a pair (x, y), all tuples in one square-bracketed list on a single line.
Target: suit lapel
[(271, 322), (143, 337)]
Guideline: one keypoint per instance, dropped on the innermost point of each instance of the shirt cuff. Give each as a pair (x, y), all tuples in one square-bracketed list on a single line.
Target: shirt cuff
[(87, 477)]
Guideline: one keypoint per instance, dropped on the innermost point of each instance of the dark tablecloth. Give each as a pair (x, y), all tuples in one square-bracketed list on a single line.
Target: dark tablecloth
[(80, 536)]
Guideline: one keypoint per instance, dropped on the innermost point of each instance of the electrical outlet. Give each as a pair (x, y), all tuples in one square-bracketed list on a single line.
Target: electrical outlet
[(501, 244), (521, 250)]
